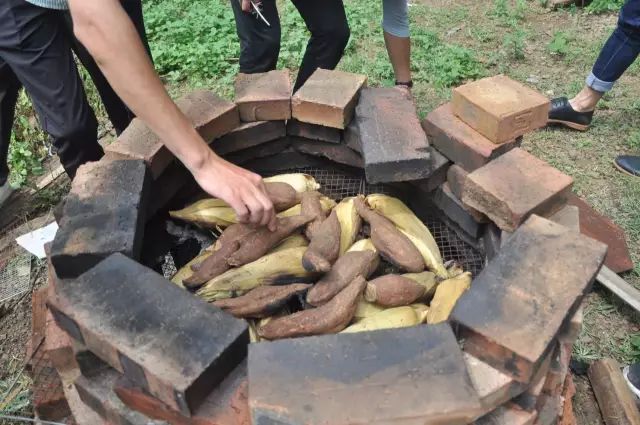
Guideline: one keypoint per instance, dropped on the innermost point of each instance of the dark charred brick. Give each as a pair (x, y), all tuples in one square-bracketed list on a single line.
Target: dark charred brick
[(362, 378), (491, 240), (601, 228), (461, 143), (165, 189), (335, 152), (226, 405), (452, 207), (249, 135), (286, 160), (165, 339), (394, 146), (512, 187), (517, 305), (509, 414), (437, 172), (264, 96), (352, 138), (260, 151), (328, 98), (210, 115), (104, 213), (500, 108), (97, 393), (314, 131)]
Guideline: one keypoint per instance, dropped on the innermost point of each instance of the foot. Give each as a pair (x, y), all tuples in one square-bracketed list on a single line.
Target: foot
[(631, 374), (5, 193), (628, 164), (562, 112)]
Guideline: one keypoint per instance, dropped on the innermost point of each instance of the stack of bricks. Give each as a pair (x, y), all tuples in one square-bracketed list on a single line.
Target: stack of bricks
[(133, 348)]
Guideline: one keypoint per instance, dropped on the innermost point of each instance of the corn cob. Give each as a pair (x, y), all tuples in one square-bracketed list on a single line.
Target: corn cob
[(350, 223), (299, 181), (397, 317), (361, 245), (447, 294)]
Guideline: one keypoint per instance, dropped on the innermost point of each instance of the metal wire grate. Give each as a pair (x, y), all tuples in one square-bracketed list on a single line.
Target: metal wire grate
[(15, 277)]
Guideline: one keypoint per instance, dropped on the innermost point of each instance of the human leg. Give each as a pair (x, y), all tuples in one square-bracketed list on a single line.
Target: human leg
[(34, 45), (327, 22), (9, 88), (259, 43), (395, 23)]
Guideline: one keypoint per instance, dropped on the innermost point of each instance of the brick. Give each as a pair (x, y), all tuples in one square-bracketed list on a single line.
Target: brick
[(126, 314), (264, 96), (499, 108), (494, 388), (351, 137), (453, 208), (456, 177), (436, 172), (328, 98), (571, 330), (97, 393), (314, 131), (38, 319), (511, 188), (549, 410), (491, 241), (226, 405), (104, 213), (210, 115), (531, 399), (166, 187), (568, 216), (285, 161), (518, 303), (460, 143), (47, 396), (59, 347), (508, 415), (249, 135), (568, 417), (333, 152), (601, 228), (260, 151), (394, 146), (556, 377), (312, 380)]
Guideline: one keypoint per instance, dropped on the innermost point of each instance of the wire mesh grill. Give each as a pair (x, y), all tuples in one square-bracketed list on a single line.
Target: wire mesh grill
[(15, 277)]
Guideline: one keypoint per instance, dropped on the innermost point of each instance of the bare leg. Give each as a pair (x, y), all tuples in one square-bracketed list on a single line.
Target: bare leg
[(586, 100), (399, 50)]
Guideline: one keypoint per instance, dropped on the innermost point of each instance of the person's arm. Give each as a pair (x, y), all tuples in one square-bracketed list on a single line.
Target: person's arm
[(107, 32)]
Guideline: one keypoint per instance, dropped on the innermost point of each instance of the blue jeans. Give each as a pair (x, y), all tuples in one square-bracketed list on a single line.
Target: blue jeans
[(620, 50)]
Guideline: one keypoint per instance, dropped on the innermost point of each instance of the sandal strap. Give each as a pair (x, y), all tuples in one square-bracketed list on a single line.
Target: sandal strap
[(408, 84)]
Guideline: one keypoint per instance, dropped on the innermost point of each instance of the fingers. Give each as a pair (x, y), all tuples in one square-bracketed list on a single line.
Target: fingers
[(239, 206), (246, 6)]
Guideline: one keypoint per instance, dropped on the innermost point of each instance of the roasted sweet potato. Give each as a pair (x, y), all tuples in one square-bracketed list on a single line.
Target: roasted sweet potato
[(262, 301), (310, 205), (257, 243), (212, 266), (283, 195), (331, 317), (393, 290), (235, 232), (389, 241), (346, 268), (324, 247)]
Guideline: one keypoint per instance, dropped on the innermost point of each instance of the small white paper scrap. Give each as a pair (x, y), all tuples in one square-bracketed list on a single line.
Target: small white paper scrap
[(34, 241)]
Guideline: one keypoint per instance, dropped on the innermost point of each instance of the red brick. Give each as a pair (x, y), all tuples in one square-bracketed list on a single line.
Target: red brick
[(518, 304), (456, 177), (511, 188), (436, 172), (249, 135), (494, 388), (554, 382), (394, 145), (59, 347), (264, 96), (314, 132), (453, 208), (328, 98), (38, 319), (255, 153), (226, 405), (461, 143), (338, 153), (126, 314), (530, 399), (500, 108), (571, 330), (508, 415), (549, 410), (601, 228), (210, 115), (568, 216), (47, 396), (568, 417)]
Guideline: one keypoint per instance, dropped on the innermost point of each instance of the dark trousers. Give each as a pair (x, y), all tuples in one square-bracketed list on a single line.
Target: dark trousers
[(620, 50), (260, 43), (35, 52)]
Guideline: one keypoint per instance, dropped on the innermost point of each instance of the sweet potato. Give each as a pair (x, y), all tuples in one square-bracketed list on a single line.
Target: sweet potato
[(262, 301), (283, 195), (393, 290), (389, 241), (324, 247), (346, 268), (257, 243), (232, 233), (214, 265), (331, 317), (310, 205)]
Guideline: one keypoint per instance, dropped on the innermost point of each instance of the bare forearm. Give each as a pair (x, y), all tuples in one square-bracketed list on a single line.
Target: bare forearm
[(109, 35)]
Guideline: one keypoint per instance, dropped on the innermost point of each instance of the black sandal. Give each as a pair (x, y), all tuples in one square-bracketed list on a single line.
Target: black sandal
[(408, 84)]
